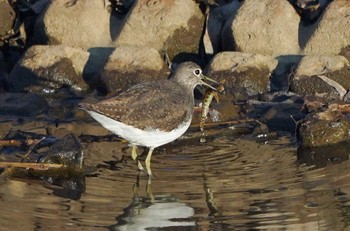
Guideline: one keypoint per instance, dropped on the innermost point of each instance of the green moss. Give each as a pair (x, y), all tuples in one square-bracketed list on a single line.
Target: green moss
[(185, 40), (254, 80), (312, 85), (341, 76), (61, 73), (117, 81), (322, 133)]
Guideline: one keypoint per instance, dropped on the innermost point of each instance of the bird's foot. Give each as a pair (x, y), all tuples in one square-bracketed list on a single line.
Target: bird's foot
[(136, 158), (149, 173), (139, 165)]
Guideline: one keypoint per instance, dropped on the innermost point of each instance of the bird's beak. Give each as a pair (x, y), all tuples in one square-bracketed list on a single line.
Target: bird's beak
[(203, 77)]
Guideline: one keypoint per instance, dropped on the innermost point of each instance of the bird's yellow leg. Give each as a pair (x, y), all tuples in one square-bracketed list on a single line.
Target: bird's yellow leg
[(148, 162), (134, 152), (134, 157)]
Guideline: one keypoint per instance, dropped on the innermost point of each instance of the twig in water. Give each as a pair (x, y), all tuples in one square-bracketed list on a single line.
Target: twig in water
[(34, 143), (36, 166)]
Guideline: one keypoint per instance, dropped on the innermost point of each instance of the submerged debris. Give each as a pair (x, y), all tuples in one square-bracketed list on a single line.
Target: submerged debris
[(56, 162)]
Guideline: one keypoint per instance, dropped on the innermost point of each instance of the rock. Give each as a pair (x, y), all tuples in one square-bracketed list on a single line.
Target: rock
[(332, 32), (216, 19), (266, 27), (49, 67), (84, 24), (172, 25), (323, 76), (320, 157), (319, 130), (7, 18), (68, 181), (248, 72), (129, 65), (18, 104), (67, 151), (320, 64)]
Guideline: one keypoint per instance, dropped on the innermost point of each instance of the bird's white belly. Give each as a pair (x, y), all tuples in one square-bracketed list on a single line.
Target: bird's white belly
[(148, 138)]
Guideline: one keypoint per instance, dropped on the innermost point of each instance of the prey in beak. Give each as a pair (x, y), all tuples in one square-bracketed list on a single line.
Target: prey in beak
[(219, 86)]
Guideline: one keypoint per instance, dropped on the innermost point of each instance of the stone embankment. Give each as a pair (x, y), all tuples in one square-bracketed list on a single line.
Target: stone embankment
[(287, 60)]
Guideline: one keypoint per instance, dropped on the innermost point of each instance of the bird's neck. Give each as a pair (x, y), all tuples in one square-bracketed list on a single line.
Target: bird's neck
[(184, 84)]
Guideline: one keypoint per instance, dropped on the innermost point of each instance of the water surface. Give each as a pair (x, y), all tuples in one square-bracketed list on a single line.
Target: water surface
[(226, 183)]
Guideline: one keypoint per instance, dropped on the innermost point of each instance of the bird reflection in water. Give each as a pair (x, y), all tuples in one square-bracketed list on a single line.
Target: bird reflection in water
[(145, 213)]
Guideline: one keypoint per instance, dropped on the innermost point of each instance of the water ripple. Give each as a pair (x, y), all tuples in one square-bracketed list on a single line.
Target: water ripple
[(226, 183)]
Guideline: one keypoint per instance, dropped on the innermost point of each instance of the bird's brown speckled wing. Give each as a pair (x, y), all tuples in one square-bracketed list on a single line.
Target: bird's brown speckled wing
[(159, 105)]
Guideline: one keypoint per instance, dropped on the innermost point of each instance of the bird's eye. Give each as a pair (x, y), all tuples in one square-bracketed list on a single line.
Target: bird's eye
[(197, 72)]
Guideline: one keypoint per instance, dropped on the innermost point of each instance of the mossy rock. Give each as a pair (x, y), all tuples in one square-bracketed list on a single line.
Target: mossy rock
[(322, 132)]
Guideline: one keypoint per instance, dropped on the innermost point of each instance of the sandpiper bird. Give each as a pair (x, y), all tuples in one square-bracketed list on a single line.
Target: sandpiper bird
[(151, 114)]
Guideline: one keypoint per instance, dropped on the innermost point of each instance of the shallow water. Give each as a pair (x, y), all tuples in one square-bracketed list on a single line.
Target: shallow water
[(225, 183)]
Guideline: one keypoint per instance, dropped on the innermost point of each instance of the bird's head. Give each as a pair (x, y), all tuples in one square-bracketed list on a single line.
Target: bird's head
[(189, 75)]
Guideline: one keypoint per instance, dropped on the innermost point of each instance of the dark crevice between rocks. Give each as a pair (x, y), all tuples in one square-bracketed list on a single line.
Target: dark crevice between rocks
[(305, 32), (230, 40), (40, 36), (202, 52), (278, 110), (184, 56), (119, 10), (309, 10), (311, 13), (281, 76), (20, 35), (19, 79), (95, 64)]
